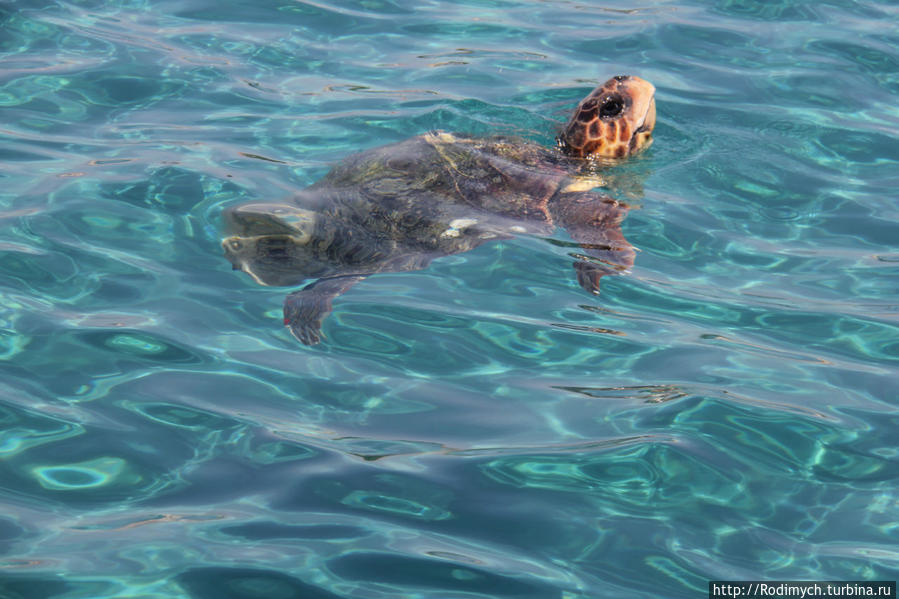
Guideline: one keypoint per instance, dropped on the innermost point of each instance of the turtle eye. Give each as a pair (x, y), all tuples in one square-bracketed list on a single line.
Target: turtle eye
[(235, 245), (611, 106)]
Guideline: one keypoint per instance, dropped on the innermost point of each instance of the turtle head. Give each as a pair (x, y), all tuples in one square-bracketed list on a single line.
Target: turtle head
[(268, 241), (614, 121)]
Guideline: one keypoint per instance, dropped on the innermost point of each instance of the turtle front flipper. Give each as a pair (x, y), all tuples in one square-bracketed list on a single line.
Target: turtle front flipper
[(594, 221), (304, 310)]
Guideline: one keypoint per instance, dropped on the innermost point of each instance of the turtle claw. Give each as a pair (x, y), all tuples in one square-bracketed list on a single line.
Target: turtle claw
[(307, 333), (303, 315), (588, 276)]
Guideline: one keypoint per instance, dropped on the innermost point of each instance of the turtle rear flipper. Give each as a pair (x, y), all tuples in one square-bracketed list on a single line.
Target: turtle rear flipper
[(304, 310), (594, 221)]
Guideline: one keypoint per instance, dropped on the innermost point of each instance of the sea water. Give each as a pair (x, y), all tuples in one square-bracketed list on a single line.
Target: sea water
[(482, 428)]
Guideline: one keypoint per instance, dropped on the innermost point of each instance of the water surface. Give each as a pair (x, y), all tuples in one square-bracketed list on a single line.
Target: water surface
[(482, 428)]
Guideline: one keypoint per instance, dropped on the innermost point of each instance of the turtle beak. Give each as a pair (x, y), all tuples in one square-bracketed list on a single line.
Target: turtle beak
[(236, 249), (244, 253), (642, 95)]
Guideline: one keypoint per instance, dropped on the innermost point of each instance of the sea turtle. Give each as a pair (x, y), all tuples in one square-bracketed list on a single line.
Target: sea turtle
[(397, 207)]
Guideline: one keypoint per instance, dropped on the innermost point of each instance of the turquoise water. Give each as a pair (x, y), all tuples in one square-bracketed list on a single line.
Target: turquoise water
[(482, 428)]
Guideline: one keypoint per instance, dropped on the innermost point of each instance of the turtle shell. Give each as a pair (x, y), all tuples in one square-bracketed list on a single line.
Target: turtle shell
[(416, 185)]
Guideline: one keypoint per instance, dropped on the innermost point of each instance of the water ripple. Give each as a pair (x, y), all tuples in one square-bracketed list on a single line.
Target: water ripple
[(725, 410)]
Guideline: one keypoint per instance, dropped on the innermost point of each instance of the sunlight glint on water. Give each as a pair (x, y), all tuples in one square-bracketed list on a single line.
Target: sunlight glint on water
[(483, 427)]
